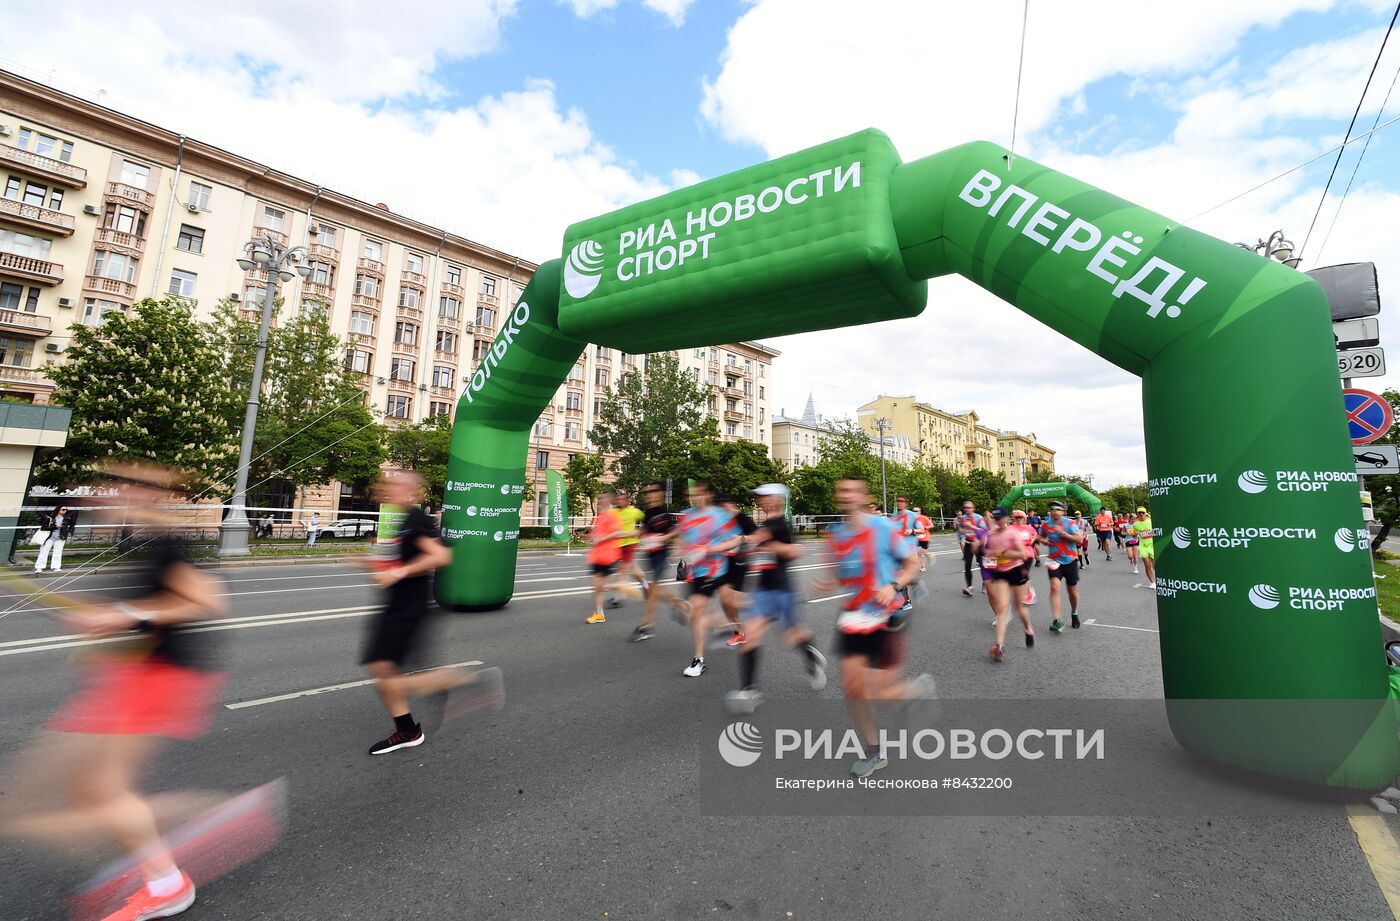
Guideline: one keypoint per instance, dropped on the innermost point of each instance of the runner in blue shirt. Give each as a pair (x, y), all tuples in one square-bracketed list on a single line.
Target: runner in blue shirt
[(706, 534), (1064, 538)]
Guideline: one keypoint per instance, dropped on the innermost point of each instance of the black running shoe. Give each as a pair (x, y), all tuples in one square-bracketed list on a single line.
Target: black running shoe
[(399, 740), (1030, 640), (1074, 621), (641, 634)]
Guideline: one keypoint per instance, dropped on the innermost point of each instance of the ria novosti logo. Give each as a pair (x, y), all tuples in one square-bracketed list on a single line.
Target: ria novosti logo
[(583, 270), (1348, 540), (1253, 481), (1256, 481), (1182, 537), (1264, 596), (740, 744), (1310, 598)]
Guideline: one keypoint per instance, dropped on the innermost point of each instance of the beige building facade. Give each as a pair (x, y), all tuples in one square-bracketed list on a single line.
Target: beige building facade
[(797, 442), (958, 441), (1019, 457)]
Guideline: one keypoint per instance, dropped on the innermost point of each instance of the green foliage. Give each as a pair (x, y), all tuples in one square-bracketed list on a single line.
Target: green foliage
[(736, 467), (152, 385), (583, 479), (1385, 490), (424, 449), (652, 422), (845, 451), (1125, 497)]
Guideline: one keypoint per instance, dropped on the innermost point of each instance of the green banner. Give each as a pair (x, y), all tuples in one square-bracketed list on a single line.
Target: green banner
[(558, 499), (1052, 491)]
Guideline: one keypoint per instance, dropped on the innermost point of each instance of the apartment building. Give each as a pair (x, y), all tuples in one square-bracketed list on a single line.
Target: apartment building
[(740, 378), (1019, 456), (956, 440), (797, 442), (99, 210)]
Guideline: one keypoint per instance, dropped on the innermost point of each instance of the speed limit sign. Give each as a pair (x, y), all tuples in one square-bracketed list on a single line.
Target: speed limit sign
[(1361, 363)]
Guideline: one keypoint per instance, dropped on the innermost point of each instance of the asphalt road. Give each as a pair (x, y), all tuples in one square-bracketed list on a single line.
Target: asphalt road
[(578, 800)]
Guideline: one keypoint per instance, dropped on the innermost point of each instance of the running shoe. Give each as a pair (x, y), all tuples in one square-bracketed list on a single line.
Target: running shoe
[(967, 592), (641, 634), (395, 742), (142, 905), (613, 604), (1074, 621), (737, 639), (864, 767), (816, 669), (1152, 585), (646, 586), (1030, 638), (1135, 572), (1029, 597), (1057, 626), (696, 669), (743, 701), (596, 618), (907, 606), (997, 652)]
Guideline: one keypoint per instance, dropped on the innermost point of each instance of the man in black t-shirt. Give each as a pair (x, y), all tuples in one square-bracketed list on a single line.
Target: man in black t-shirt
[(396, 628), (731, 593), (658, 529), (774, 602)]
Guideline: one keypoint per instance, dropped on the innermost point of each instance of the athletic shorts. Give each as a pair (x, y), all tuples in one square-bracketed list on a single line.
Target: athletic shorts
[(657, 562), (776, 605), (141, 697), (1130, 541), (923, 544), (1067, 571), (707, 586), (881, 648), (1105, 535), (628, 551), (734, 576), (1147, 552), (1018, 576), (986, 573), (604, 569), (393, 633)]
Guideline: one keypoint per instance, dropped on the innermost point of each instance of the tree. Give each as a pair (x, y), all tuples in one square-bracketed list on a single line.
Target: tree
[(1385, 490), (147, 385), (651, 421), (424, 449), (583, 478), (843, 451), (313, 426), (986, 488), (735, 467)]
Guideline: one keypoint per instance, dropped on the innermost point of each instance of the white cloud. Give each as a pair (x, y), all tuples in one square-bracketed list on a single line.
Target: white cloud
[(674, 10)]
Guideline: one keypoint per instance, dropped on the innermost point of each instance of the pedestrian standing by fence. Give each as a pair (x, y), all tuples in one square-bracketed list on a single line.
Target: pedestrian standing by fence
[(56, 528), (312, 528)]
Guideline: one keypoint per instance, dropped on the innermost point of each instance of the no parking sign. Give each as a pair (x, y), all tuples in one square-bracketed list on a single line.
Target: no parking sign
[(1368, 415)]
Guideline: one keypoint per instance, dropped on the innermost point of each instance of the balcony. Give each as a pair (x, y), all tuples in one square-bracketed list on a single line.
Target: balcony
[(316, 289), (254, 315), (23, 323), (75, 177), (29, 376), (364, 301), (324, 252), (410, 313), (373, 266), (365, 339), (456, 291), (417, 279), (488, 300), (124, 194), (453, 322), (35, 218), (122, 290), (733, 415), (40, 270), (402, 386), (404, 348), (128, 243), (445, 393), (277, 236)]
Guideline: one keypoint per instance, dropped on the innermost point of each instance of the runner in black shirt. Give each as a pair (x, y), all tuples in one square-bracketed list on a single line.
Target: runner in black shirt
[(774, 602), (396, 628), (658, 528), (731, 594)]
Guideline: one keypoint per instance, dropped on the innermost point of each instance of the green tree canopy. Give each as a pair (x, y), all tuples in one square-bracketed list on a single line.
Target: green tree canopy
[(736, 467), (583, 478), (424, 448)]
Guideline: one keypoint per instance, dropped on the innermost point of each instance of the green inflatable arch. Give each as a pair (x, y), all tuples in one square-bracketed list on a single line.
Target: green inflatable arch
[(1052, 491), (1266, 592)]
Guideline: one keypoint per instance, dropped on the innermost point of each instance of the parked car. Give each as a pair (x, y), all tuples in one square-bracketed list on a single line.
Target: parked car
[(1370, 457), (346, 527)]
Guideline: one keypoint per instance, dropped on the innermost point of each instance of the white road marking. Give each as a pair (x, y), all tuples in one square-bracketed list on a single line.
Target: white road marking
[(258, 702), (827, 598), (1121, 627)]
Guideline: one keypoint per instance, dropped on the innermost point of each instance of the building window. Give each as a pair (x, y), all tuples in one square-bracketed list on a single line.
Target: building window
[(731, 406), (576, 373), (114, 265), (182, 283), (322, 273), (191, 239), (414, 263), (12, 188), (367, 285), (437, 408), (730, 429), (125, 219), (573, 400), (46, 146), (446, 342), (401, 369), (405, 333), (486, 316), (454, 274), (311, 306), (541, 460), (362, 322), (542, 427), (95, 311), (373, 249), (760, 415), (748, 431), (16, 352), (399, 406), (488, 285), (449, 308), (572, 430), (253, 295), (597, 406), (274, 218), (199, 195), (134, 174), (479, 348), (602, 352), (408, 297), (442, 376), (11, 296), (600, 377), (358, 360), (760, 394)]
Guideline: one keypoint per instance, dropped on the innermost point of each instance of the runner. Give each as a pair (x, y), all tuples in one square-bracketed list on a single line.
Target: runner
[(1120, 524), (967, 524), (631, 518), (1103, 528), (604, 552), (923, 528), (706, 534), (875, 565), (658, 528), (1006, 557), (1130, 542), (906, 520), (1142, 530), (1081, 552), (395, 630), (1063, 537), (1030, 536), (774, 603), (731, 594)]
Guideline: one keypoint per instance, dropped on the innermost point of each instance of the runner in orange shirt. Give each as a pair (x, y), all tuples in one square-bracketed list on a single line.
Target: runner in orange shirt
[(1103, 529), (923, 527), (605, 554)]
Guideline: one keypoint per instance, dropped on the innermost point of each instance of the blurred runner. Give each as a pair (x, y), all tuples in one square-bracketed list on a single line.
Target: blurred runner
[(774, 603), (1142, 530), (657, 530), (1006, 557), (631, 518), (907, 521), (1062, 536), (923, 528), (396, 630), (731, 593), (604, 552), (1130, 542), (707, 533), (1029, 537), (968, 524), (874, 564)]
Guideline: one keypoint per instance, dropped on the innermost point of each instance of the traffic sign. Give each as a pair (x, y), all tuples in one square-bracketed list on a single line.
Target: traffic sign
[(1357, 334), (1376, 460), (1361, 363), (1368, 415)]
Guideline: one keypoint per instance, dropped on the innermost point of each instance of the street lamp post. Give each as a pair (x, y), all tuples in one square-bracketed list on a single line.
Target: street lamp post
[(1276, 247), (880, 424), (279, 262)]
